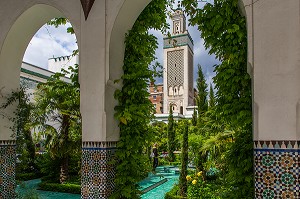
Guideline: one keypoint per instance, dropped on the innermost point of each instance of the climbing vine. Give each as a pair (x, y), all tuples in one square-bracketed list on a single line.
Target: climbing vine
[(134, 110), (224, 32)]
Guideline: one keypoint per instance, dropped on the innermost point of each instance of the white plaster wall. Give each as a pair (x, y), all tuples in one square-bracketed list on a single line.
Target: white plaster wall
[(121, 17), (56, 64), (276, 69), (101, 45), (22, 19)]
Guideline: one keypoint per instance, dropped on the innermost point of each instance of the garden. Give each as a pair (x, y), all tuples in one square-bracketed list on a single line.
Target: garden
[(213, 150)]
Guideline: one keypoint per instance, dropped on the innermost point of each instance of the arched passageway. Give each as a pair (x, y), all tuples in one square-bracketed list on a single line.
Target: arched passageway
[(273, 55), (100, 37)]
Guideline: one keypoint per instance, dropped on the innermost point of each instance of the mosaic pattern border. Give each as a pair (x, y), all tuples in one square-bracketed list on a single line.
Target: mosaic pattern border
[(7, 169), (7, 142), (98, 173), (277, 167), (277, 144), (101, 145)]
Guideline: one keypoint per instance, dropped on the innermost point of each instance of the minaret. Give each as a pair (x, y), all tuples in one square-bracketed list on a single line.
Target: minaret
[(178, 66)]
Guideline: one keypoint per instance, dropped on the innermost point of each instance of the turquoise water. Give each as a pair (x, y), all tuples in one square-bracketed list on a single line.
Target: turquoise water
[(156, 193), (31, 185), (160, 191)]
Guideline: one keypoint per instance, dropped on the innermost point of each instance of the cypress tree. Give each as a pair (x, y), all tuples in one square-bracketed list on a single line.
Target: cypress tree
[(212, 100), (194, 118), (184, 161), (171, 135), (201, 98)]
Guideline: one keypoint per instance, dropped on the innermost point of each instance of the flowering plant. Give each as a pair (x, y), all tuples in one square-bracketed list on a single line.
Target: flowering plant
[(198, 188)]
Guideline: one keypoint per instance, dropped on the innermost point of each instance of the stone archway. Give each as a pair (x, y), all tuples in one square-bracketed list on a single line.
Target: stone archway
[(14, 44), (273, 56), (100, 35)]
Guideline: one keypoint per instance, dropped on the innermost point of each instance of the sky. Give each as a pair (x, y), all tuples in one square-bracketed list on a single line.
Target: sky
[(51, 42)]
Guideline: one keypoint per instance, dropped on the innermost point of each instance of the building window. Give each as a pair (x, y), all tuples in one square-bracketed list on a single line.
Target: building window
[(154, 97), (154, 106)]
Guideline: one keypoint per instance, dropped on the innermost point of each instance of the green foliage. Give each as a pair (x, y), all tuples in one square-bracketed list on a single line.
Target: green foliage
[(49, 167), (201, 98), (184, 161), (239, 160), (171, 136), (27, 176), (21, 119), (134, 110), (160, 131), (172, 194), (212, 100), (224, 32), (56, 187), (195, 143), (61, 21), (194, 118), (199, 188), (58, 102)]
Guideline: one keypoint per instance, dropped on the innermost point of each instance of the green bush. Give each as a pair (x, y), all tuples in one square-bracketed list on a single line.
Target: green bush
[(198, 188), (66, 188), (27, 176), (175, 163), (172, 194)]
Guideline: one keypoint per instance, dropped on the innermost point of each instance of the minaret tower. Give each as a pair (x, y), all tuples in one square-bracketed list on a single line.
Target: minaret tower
[(178, 66)]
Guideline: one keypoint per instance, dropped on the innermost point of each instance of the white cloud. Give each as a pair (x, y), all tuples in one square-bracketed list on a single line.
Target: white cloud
[(48, 42)]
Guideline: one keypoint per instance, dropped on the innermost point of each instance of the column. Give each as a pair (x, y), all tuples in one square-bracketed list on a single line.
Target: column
[(7, 169), (97, 175), (273, 56)]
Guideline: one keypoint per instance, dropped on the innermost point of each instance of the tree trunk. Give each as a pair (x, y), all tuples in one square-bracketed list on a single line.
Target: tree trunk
[(64, 170), (184, 162)]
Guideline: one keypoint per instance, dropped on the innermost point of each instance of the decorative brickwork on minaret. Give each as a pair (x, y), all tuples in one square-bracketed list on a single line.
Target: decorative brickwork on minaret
[(178, 66)]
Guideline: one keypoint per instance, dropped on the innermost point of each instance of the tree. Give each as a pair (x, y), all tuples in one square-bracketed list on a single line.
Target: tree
[(171, 135), (201, 98), (194, 118), (224, 32), (57, 102), (184, 161), (134, 110), (21, 120), (212, 101)]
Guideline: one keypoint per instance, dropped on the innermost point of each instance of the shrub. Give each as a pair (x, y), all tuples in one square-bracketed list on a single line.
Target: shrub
[(198, 188), (66, 188), (27, 176), (172, 194)]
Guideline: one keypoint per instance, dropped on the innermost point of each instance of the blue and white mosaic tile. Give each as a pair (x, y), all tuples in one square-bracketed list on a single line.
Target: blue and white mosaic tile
[(97, 180), (277, 168), (7, 169)]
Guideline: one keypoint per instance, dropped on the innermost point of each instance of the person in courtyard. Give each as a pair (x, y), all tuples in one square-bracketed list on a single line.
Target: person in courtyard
[(155, 157)]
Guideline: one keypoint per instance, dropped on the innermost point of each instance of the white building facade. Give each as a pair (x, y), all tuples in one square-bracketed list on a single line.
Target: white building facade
[(178, 67), (55, 64)]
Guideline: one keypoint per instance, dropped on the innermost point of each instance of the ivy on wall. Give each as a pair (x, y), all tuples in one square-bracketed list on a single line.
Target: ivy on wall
[(223, 29), (134, 110)]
